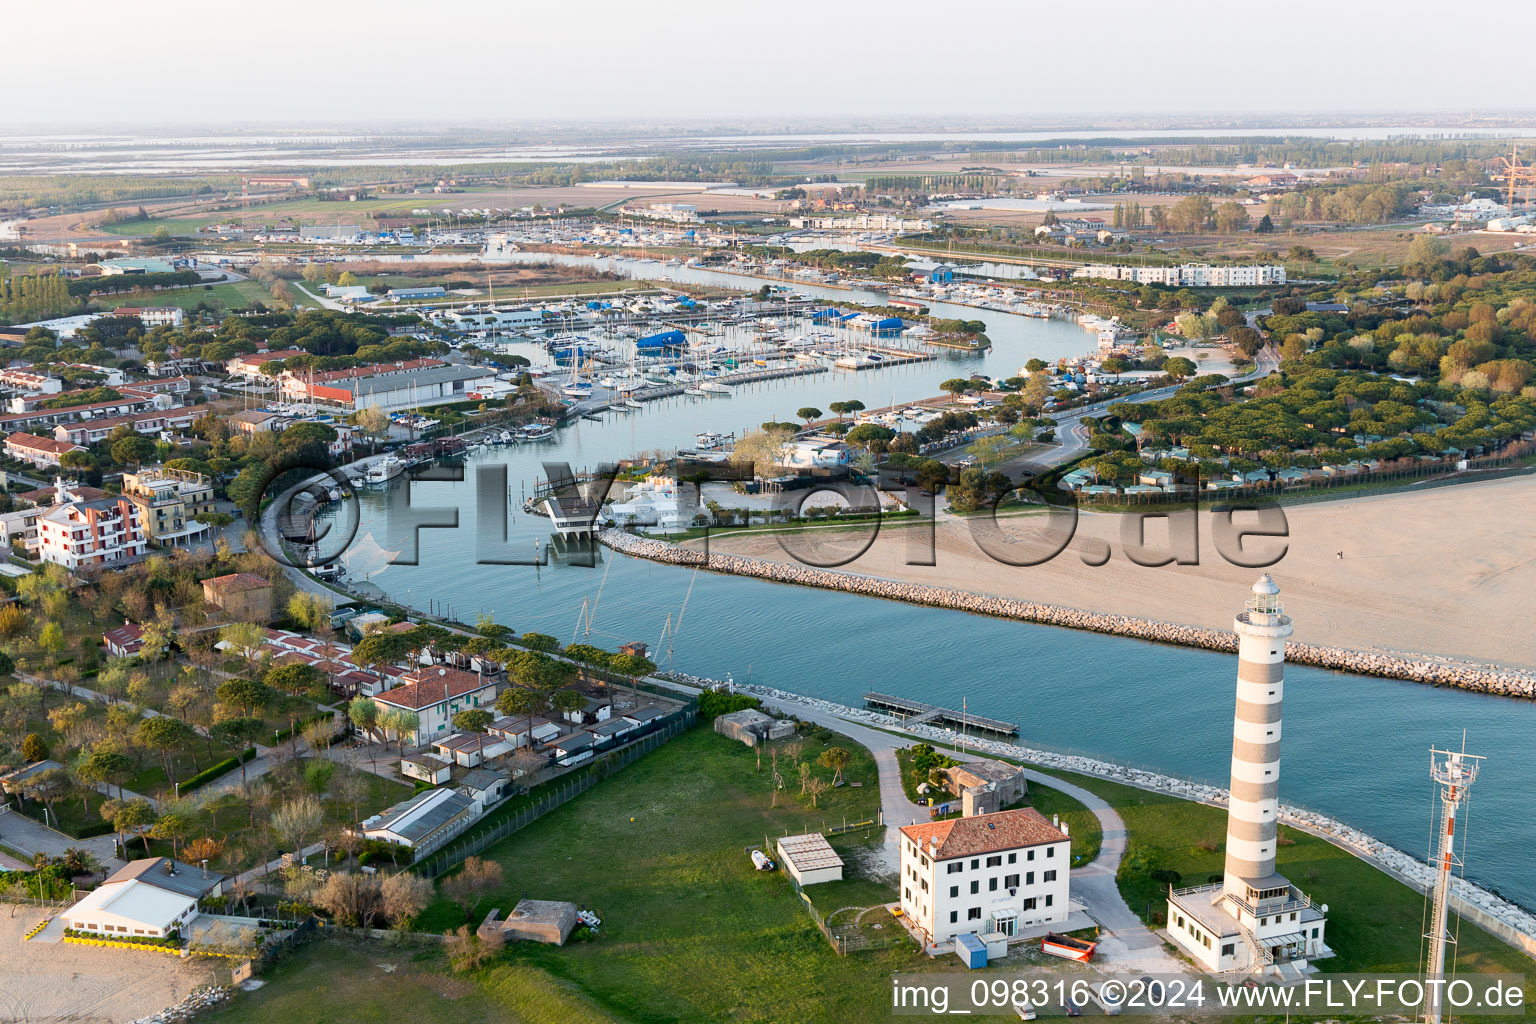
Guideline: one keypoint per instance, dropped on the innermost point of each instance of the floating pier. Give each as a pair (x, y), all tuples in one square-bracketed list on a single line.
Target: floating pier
[(916, 712), (770, 373)]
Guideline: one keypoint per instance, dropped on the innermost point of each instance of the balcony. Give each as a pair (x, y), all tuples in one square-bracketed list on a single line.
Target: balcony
[(1294, 899)]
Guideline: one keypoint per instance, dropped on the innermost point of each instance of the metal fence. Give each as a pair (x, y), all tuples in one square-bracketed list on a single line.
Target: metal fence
[(443, 860), (843, 941)]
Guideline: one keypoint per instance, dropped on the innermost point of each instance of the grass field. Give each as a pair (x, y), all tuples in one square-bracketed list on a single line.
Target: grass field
[(690, 930), (234, 295), (344, 981)]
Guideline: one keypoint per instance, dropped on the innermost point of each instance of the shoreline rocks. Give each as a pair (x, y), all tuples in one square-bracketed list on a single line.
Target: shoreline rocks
[(188, 1008), (1494, 679)]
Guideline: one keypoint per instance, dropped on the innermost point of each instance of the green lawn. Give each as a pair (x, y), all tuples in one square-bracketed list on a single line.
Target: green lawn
[(1374, 921), (690, 930), (343, 981), (233, 295)]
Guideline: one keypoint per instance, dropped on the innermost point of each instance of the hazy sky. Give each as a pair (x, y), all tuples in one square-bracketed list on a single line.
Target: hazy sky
[(92, 61)]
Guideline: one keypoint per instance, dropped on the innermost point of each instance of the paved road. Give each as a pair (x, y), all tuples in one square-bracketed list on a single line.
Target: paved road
[(325, 303), (1073, 435), (1125, 940), (29, 837)]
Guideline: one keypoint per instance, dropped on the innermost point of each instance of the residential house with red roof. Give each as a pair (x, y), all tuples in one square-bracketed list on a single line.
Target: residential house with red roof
[(39, 451), (436, 693), (91, 535), (125, 641)]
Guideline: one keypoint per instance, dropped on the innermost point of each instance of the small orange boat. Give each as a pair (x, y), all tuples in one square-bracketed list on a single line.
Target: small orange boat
[(1067, 947)]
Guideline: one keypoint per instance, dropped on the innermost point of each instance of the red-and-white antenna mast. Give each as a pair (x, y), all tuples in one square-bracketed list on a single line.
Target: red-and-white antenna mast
[(1454, 772)]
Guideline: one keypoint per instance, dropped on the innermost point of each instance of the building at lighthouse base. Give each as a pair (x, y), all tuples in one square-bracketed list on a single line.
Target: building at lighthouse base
[(1253, 921), (1272, 928)]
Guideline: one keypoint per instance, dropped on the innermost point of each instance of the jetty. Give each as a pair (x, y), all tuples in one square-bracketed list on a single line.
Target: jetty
[(916, 713), (771, 373)]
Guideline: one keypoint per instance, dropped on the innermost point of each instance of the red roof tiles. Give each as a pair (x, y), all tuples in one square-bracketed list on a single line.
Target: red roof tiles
[(984, 833)]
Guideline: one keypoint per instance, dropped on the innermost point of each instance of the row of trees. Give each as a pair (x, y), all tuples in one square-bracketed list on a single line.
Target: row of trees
[(26, 297)]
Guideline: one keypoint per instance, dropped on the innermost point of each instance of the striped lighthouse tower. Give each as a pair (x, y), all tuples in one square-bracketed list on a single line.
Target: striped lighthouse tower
[(1252, 815)]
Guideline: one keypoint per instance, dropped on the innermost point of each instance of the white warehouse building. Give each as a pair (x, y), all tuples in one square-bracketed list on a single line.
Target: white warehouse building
[(412, 389)]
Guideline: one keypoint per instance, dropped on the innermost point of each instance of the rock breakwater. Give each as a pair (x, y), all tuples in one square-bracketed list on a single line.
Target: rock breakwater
[(1508, 920), (1481, 678)]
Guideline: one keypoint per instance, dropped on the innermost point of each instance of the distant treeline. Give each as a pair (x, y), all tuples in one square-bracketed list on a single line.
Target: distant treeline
[(25, 191), (132, 282)]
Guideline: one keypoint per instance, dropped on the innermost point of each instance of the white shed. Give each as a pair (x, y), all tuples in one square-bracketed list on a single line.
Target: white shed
[(810, 859), (426, 767)]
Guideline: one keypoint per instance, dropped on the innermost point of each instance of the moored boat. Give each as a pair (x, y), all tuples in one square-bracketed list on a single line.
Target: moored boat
[(383, 471)]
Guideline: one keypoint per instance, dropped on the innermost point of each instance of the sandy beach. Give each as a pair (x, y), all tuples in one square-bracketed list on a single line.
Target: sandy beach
[(1440, 572)]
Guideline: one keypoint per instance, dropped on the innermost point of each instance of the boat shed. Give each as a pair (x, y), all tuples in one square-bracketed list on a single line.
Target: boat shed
[(810, 859), (663, 340)]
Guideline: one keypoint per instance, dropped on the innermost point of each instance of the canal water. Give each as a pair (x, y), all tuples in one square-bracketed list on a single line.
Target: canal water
[(1355, 748)]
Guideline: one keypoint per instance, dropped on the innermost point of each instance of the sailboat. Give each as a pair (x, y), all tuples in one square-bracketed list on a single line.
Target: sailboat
[(577, 388)]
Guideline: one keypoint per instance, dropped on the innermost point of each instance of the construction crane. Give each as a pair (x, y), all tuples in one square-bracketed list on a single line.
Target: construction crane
[(1518, 177)]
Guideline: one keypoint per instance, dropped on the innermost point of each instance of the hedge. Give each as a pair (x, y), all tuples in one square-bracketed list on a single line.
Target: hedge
[(215, 771), (90, 831), (714, 703), (168, 944)]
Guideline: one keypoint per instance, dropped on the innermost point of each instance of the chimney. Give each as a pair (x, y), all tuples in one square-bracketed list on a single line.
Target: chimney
[(1064, 829)]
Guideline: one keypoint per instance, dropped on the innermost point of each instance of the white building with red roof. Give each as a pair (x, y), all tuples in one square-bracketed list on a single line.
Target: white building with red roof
[(126, 641), (436, 693), (153, 316), (999, 872), (40, 451)]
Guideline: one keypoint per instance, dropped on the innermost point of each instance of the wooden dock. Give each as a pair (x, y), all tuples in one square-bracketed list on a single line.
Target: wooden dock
[(915, 711), (752, 376)]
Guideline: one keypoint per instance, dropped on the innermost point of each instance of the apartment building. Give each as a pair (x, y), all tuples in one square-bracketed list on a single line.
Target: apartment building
[(42, 452), (168, 501), (91, 534), (1188, 275), (153, 316)]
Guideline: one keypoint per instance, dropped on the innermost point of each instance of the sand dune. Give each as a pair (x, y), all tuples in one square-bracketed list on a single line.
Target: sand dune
[(1449, 571)]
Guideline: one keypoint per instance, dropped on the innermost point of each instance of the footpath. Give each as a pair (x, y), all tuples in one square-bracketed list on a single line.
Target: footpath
[(1126, 940)]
